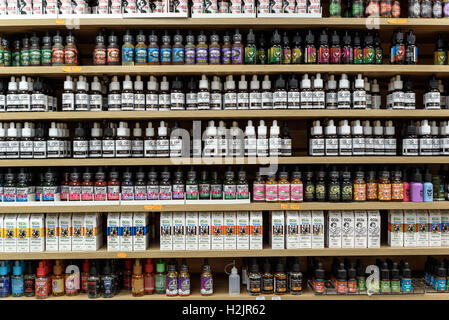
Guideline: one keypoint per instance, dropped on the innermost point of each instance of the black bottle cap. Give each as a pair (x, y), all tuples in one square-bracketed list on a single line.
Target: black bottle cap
[(293, 82), (321, 174), (384, 271), (192, 85), (93, 270), (335, 38), (408, 85), (107, 268), (262, 41), (368, 39), (310, 38), (254, 267), (433, 83), (214, 37), (333, 175), (360, 268), (399, 36), (276, 37), (141, 36), (280, 82), (410, 38), (427, 176), (279, 267), (357, 42), (394, 271), (286, 40), (319, 271), (441, 44), (250, 37), (204, 175), (377, 40), (406, 272), (417, 177), (411, 129), (108, 132), (177, 84), (297, 40), (352, 272), (341, 273), (266, 266), (324, 39), (295, 266), (79, 131), (347, 39)]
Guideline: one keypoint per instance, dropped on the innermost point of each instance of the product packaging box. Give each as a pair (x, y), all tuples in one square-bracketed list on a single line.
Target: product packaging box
[(179, 236), (435, 228), (360, 229), (65, 232), (374, 229), (23, 232), (333, 229), (78, 232), (256, 230), (37, 233), (395, 228), (444, 228), (347, 229), (192, 231), (317, 229), (204, 230), (217, 230), (242, 230), (230, 234), (113, 229), (292, 229), (422, 222), (2, 233), (140, 231), (409, 229), (277, 223), (52, 232), (10, 225), (93, 231), (126, 231), (305, 230)]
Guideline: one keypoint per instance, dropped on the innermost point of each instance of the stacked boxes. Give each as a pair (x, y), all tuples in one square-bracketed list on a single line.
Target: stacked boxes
[(128, 231)]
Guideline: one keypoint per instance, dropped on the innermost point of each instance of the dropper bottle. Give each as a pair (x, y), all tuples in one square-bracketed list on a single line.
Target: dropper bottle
[(152, 97), (139, 95), (267, 94), (68, 96), (114, 95), (203, 94), (230, 96), (95, 97), (255, 96), (243, 94), (306, 93)]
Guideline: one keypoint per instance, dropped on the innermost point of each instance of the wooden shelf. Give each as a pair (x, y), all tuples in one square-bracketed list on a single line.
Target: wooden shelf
[(384, 70), (81, 207), (223, 114)]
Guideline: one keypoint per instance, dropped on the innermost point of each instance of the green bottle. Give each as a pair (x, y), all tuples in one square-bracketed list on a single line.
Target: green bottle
[(25, 52), (191, 185), (275, 51), (6, 53), (335, 8), (204, 186), (250, 48), (46, 52), (262, 51), (16, 54), (216, 187), (160, 277), (35, 51), (229, 186)]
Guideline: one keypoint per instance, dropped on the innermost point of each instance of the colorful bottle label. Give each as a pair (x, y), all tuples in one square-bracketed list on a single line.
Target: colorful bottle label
[(178, 55), (192, 192), (359, 192), (284, 192), (229, 191), (207, 285), (397, 191), (183, 286), (214, 55), (271, 192), (190, 55), (113, 192), (127, 55), (201, 55), (113, 55), (17, 286), (172, 286), (71, 56), (371, 191), (100, 56), (296, 192), (165, 192), (226, 55), (384, 191), (259, 192), (237, 55), (141, 55), (406, 285), (242, 191), (166, 55)]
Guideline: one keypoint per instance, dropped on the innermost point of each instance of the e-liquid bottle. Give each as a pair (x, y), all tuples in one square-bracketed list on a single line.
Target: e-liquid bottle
[(184, 279), (323, 50), (280, 279), (335, 8), (93, 283), (369, 53), (267, 279), (411, 50), (29, 280), (207, 285), (432, 98), (154, 55), (297, 51), (214, 49), (286, 50), (46, 51), (262, 55), (347, 54), (343, 94), (128, 49), (141, 50), (190, 49), (310, 54), (335, 54), (166, 49), (250, 48), (357, 49), (100, 51), (70, 51), (113, 50), (275, 51), (254, 283), (226, 49)]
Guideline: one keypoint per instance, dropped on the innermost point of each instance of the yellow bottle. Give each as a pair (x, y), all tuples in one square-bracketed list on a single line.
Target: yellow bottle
[(57, 280), (137, 280)]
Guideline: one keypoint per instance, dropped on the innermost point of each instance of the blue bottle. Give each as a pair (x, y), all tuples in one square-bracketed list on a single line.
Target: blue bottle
[(406, 279), (17, 284), (428, 187), (440, 279), (5, 283)]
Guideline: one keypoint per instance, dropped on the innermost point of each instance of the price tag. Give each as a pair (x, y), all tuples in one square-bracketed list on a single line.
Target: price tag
[(276, 298), (260, 298), (76, 68), (60, 21), (284, 206), (156, 207), (121, 254), (397, 21), (294, 206), (72, 69)]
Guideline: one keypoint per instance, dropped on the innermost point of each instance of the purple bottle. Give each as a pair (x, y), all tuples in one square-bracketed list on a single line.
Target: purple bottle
[(416, 187)]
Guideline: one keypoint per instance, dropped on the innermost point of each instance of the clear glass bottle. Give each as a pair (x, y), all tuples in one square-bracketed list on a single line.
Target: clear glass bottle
[(93, 283)]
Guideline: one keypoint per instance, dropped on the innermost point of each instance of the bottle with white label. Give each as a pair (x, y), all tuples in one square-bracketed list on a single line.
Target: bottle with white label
[(444, 139), (12, 98), (230, 95), (331, 93), (390, 139), (344, 139), (164, 95), (3, 97), (369, 100), (26, 142), (262, 141), (152, 96), (431, 98), (177, 96), (280, 94), (267, 94), (162, 141), (203, 94), (222, 140), (306, 96), (68, 95), (114, 95), (425, 139), (80, 143), (250, 140), (358, 139), (376, 99), (137, 142), (12, 142), (149, 147), (215, 94), (409, 95), (95, 142), (378, 140), (442, 95), (316, 141), (389, 98), (359, 93), (236, 141), (344, 94), (24, 96), (331, 139), (255, 96), (127, 94), (192, 94), (123, 141), (286, 140), (410, 143), (139, 94), (3, 142), (53, 142), (39, 143), (275, 141), (369, 139), (210, 141), (175, 141), (95, 97), (108, 142), (435, 139), (397, 95), (242, 94), (294, 96), (318, 94)]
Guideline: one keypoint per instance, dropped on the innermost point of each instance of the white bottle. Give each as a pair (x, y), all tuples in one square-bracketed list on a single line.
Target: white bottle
[(344, 139), (127, 94), (175, 142), (234, 282), (425, 139), (435, 139), (53, 141), (95, 97), (368, 136), (376, 99), (369, 100), (262, 141), (358, 140), (255, 96), (211, 141), (12, 98), (162, 142), (114, 95), (316, 141), (164, 95), (95, 143), (390, 139), (444, 139), (398, 94), (230, 95), (267, 94), (250, 140), (26, 142), (137, 142), (318, 94), (331, 139), (331, 93), (149, 146), (275, 141), (152, 97), (68, 98), (344, 94), (122, 141), (139, 94), (306, 93), (215, 95), (3, 142), (236, 144), (13, 145), (359, 93), (243, 94), (24, 96), (222, 140), (378, 140)]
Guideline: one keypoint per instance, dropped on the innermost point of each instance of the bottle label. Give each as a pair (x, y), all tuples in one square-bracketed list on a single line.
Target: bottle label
[(38, 102), (68, 102), (150, 148), (189, 55), (140, 192), (178, 55), (280, 99), (87, 193), (201, 55), (114, 101), (397, 191), (425, 146), (432, 100), (379, 146), (271, 192), (74, 193), (183, 286), (286, 148), (177, 101), (306, 99), (237, 55), (345, 146), (359, 99), (22, 194), (113, 192), (358, 146), (152, 192), (344, 99), (284, 192), (137, 148), (139, 101), (152, 101), (318, 99), (166, 55), (259, 192), (262, 147), (108, 148), (331, 146), (141, 55), (192, 192), (123, 148), (175, 147), (369, 146), (444, 146), (275, 146), (226, 55), (390, 146), (95, 148), (127, 101), (409, 100), (230, 101), (216, 191), (127, 55), (80, 148), (153, 55), (26, 149), (293, 99), (215, 101), (229, 191), (162, 147), (316, 146), (192, 100), (207, 287), (250, 147), (398, 98), (255, 100), (242, 191), (359, 191), (296, 192), (384, 191), (12, 149), (203, 100), (178, 192), (214, 55), (81, 101), (127, 193), (376, 101)]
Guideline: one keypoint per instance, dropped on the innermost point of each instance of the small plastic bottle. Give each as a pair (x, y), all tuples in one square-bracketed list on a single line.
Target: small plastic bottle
[(234, 282)]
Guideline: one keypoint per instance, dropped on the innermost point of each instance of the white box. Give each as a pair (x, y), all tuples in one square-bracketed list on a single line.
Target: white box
[(10, 225), (204, 231), (2, 233), (292, 229), (179, 236), (347, 229), (435, 228), (113, 229), (256, 230), (242, 228), (217, 230), (230, 234), (444, 228), (37, 233), (126, 231), (409, 228), (305, 230), (317, 229), (360, 229), (395, 228), (78, 232), (277, 223), (192, 231), (93, 232), (65, 232), (23, 232), (422, 221), (141, 231), (166, 231), (373, 229), (333, 229), (52, 232)]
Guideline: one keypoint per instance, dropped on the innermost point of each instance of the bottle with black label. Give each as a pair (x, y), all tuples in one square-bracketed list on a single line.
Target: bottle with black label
[(137, 142), (12, 140), (358, 140), (95, 96), (81, 95), (255, 96), (24, 96), (204, 186), (53, 142), (425, 139), (162, 142), (203, 94), (165, 187), (215, 94), (275, 142), (262, 141), (80, 143), (316, 141), (410, 143), (127, 95), (293, 97), (149, 145), (331, 139), (164, 95), (3, 143), (177, 96), (280, 94), (178, 187), (376, 100), (369, 100), (390, 139), (267, 94), (436, 147), (152, 96), (139, 94), (108, 143), (344, 94), (3, 96), (230, 95), (242, 94), (250, 140), (12, 98), (378, 140), (39, 143), (318, 94), (152, 185), (114, 95), (344, 139), (359, 93), (286, 141), (306, 97), (222, 141), (95, 142), (123, 141), (192, 94), (26, 141), (431, 98), (331, 93), (397, 96)]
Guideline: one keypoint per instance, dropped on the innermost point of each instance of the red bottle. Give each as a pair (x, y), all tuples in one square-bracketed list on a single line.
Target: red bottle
[(149, 277)]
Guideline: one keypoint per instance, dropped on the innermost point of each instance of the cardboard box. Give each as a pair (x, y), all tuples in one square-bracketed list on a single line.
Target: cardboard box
[(113, 230), (409, 229), (93, 232), (2, 233), (435, 228), (422, 222), (126, 231), (374, 229), (204, 230), (179, 236), (52, 232), (360, 229), (444, 228), (23, 232), (230, 232), (10, 225), (166, 231), (256, 230), (395, 228), (65, 232), (192, 231), (277, 224), (317, 229), (305, 230), (37, 233), (347, 229), (333, 229), (242, 230), (141, 231), (217, 230), (78, 232), (292, 229)]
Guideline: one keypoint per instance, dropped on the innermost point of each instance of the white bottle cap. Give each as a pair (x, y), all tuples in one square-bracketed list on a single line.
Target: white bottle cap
[(261, 129), (345, 128), (359, 82), (221, 128), (95, 85), (434, 128), (26, 130), (138, 84), (81, 84), (127, 83), (255, 84), (318, 82), (330, 129), (12, 131), (446, 128), (53, 131), (389, 128), (250, 130), (440, 86), (305, 82), (331, 83), (367, 129), (121, 130), (398, 84), (30, 83), (152, 84), (274, 130), (96, 130), (149, 131), (344, 82), (367, 85), (2, 130), (12, 85), (317, 129), (234, 129), (356, 128), (165, 86), (114, 85), (204, 83), (162, 130), (375, 86), (68, 83), (215, 85), (230, 84), (266, 83), (425, 127), (23, 84), (211, 130), (378, 129), (137, 131), (243, 84)]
